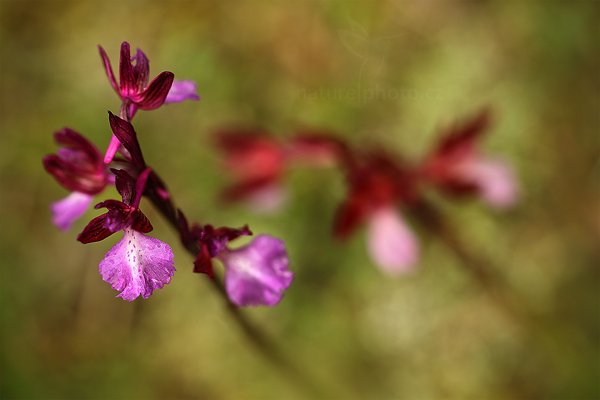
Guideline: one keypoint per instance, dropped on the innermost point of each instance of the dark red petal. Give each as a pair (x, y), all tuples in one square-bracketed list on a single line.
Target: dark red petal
[(70, 138), (125, 185), (461, 137), (108, 68), (72, 178), (216, 239), (124, 131), (112, 205), (155, 94), (95, 231), (126, 75), (203, 263), (141, 222), (141, 70), (348, 216)]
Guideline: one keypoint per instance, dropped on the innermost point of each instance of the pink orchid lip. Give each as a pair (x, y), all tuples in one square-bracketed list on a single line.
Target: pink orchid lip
[(137, 265), (69, 209), (257, 274), (181, 91), (391, 243), (494, 179)]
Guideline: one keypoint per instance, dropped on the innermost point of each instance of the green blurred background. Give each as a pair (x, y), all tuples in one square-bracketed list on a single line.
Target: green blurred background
[(388, 72)]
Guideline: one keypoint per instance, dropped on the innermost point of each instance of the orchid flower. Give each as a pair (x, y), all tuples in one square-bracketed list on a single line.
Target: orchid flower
[(377, 186), (138, 264), (255, 274), (78, 167), (135, 91), (457, 167)]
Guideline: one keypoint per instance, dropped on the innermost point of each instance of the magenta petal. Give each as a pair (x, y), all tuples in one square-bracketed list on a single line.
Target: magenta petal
[(181, 91), (257, 274), (495, 179), (392, 245), (69, 209), (137, 265)]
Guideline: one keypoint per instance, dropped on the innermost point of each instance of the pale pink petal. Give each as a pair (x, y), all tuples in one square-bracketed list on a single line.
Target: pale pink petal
[(495, 179), (391, 243), (69, 209), (181, 91), (257, 274), (137, 265), (267, 200)]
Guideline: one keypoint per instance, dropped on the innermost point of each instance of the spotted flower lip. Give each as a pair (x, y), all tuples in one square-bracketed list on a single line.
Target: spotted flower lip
[(138, 264), (133, 86)]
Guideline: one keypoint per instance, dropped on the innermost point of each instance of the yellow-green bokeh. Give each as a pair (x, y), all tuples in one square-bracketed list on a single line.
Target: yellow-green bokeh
[(389, 72)]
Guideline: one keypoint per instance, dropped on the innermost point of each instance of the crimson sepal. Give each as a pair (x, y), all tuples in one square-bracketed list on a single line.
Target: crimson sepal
[(118, 217), (460, 138), (216, 239), (141, 70), (96, 230), (251, 154), (203, 263), (125, 185), (374, 182), (108, 69), (456, 145), (124, 131), (155, 94), (126, 76), (255, 159), (349, 215), (78, 165), (315, 145)]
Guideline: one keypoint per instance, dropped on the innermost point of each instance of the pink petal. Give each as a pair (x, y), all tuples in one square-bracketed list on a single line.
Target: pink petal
[(257, 274), (495, 179), (181, 91), (69, 209), (391, 243), (137, 265)]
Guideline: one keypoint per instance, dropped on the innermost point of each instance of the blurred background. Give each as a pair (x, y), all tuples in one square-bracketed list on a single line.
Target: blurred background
[(390, 72)]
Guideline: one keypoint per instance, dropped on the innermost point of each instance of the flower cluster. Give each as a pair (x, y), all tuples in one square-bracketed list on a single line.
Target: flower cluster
[(381, 186), (255, 274)]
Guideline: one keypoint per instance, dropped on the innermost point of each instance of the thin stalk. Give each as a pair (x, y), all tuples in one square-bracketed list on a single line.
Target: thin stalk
[(481, 270), (263, 345), (164, 203)]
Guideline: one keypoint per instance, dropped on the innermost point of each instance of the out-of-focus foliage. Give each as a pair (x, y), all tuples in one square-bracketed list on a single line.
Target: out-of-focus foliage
[(388, 72)]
